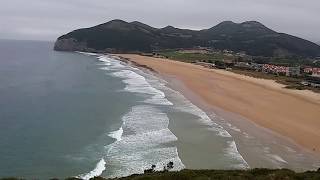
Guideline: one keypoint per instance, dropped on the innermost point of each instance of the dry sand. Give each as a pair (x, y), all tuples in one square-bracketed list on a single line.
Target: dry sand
[(291, 113)]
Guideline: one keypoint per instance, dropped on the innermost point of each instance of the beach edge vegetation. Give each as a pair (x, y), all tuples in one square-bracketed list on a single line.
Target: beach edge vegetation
[(259, 173)]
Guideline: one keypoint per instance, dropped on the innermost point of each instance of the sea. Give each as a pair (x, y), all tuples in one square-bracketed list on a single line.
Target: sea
[(75, 114)]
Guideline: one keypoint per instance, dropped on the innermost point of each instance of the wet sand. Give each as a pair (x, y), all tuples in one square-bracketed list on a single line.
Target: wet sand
[(294, 115), (259, 146)]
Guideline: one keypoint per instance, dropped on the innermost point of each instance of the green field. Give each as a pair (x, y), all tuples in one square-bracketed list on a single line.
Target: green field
[(194, 57)]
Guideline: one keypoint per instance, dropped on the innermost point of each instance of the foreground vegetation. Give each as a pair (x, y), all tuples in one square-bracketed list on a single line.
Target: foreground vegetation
[(259, 174)]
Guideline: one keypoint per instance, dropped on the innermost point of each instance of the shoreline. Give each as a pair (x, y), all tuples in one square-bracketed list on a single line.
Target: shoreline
[(267, 83), (270, 86), (246, 132)]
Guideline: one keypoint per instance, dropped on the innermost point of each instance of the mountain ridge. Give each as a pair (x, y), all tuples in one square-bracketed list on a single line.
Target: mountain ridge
[(251, 37)]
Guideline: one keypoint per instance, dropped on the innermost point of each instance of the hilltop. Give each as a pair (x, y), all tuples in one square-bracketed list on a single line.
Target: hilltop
[(251, 37)]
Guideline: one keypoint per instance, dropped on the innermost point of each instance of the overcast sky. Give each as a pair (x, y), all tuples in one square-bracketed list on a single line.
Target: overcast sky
[(48, 19)]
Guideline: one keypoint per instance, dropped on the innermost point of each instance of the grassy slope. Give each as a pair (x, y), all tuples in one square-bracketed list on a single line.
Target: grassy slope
[(192, 57), (259, 174), (254, 174)]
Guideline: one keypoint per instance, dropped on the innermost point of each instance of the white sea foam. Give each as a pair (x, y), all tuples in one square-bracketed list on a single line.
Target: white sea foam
[(87, 53), (143, 138), (110, 63), (138, 84), (134, 81), (232, 151), (140, 140), (233, 127), (117, 134), (247, 135), (277, 158), (145, 118), (97, 171), (101, 165), (223, 133), (104, 68), (290, 149), (145, 131), (106, 61), (185, 105)]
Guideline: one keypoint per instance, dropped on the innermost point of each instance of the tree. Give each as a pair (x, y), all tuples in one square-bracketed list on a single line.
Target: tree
[(170, 165), (150, 170)]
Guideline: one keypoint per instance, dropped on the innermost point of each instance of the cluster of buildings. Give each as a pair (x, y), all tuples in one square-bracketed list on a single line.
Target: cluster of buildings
[(312, 78), (315, 72), (311, 75), (281, 70), (267, 68), (270, 68)]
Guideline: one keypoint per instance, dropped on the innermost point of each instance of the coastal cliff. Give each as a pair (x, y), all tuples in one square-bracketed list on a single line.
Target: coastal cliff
[(70, 45), (251, 37)]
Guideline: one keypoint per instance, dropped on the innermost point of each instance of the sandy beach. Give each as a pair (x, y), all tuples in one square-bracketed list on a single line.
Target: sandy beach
[(290, 113)]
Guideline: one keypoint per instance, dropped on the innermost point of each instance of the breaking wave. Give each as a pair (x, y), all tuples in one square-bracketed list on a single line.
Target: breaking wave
[(144, 138)]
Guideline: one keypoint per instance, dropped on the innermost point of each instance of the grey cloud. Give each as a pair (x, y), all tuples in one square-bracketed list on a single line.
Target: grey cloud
[(47, 19)]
